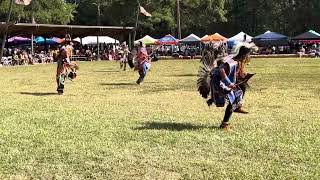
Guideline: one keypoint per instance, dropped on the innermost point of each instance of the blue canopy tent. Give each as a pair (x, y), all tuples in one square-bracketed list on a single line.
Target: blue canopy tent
[(168, 40), (271, 39), (40, 40)]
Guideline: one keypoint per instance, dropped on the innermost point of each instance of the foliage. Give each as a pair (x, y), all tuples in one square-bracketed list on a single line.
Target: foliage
[(163, 20), (290, 17), (107, 127), (228, 17), (43, 11)]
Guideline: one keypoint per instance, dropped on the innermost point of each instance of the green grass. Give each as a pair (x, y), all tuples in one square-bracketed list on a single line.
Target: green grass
[(106, 127)]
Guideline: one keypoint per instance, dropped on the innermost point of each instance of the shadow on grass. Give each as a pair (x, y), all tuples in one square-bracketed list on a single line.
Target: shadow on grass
[(168, 88), (152, 82), (107, 71), (158, 90), (38, 94), (171, 126), (118, 84), (184, 75)]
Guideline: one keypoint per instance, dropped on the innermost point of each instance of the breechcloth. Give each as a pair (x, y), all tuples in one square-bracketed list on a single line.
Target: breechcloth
[(60, 81), (61, 75), (143, 71), (230, 107)]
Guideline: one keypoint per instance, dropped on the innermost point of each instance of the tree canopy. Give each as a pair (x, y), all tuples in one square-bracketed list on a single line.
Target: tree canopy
[(201, 17), (42, 11)]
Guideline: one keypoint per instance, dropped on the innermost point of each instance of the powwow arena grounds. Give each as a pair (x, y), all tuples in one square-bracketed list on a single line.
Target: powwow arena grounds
[(107, 127)]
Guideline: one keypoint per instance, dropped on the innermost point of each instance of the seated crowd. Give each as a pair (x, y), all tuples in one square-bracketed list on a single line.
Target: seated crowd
[(294, 48), (22, 56), (19, 56)]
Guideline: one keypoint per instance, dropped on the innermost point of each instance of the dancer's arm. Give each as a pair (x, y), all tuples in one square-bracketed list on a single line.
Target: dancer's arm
[(224, 77)]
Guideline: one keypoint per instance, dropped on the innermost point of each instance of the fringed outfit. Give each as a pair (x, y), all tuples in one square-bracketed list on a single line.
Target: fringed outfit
[(63, 64), (143, 64)]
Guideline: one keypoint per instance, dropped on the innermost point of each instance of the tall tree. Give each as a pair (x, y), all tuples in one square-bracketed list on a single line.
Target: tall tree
[(202, 16), (43, 11), (290, 17), (197, 16), (227, 17)]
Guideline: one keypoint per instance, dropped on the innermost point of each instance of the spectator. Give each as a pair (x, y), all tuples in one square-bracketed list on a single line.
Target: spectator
[(302, 51)]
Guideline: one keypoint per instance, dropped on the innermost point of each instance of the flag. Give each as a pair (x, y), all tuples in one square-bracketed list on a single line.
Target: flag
[(23, 2), (144, 12)]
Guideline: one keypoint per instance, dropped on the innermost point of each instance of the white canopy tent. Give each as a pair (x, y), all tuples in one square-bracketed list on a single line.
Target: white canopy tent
[(241, 37), (77, 39), (102, 39)]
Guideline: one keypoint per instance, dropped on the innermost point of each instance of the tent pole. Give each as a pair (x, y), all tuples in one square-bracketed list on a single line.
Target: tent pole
[(130, 45), (178, 19), (137, 20), (4, 38), (45, 45), (32, 47), (71, 58), (98, 49)]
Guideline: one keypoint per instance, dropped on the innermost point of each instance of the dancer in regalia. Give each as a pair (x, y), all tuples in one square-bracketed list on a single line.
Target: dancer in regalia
[(63, 64), (124, 58), (212, 52), (143, 62), (221, 81)]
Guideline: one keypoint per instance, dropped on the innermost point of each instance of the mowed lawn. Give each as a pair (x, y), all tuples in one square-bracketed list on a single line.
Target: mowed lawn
[(107, 127)]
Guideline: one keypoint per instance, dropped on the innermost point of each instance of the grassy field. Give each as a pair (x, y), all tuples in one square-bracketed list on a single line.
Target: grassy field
[(107, 127)]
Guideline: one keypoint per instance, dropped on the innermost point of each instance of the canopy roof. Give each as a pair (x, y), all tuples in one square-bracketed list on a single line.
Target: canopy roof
[(102, 39), (205, 36), (147, 40), (310, 35), (242, 37), (310, 41), (37, 40), (271, 39), (270, 36), (58, 40), (77, 40), (49, 30), (168, 40), (214, 37), (19, 39), (41, 40), (191, 39)]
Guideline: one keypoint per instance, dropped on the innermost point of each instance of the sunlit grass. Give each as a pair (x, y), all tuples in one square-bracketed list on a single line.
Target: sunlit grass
[(107, 127)]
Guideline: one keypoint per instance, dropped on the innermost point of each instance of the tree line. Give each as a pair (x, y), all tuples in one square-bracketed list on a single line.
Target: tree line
[(201, 17)]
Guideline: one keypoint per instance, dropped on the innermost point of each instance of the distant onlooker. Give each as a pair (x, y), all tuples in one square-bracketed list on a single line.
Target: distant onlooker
[(273, 49), (317, 51), (302, 51)]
